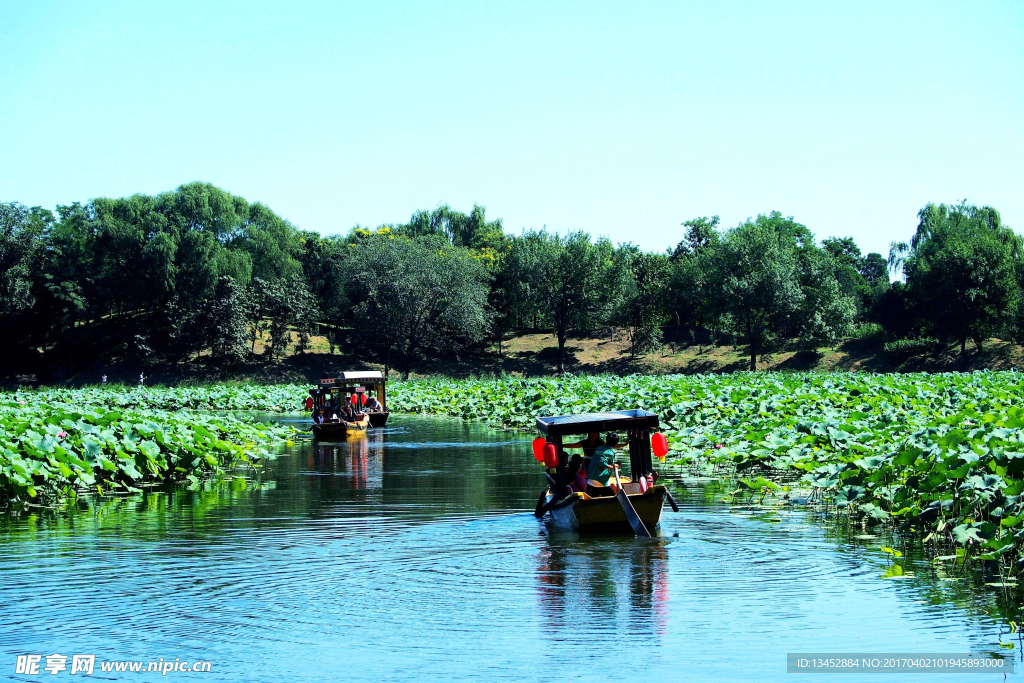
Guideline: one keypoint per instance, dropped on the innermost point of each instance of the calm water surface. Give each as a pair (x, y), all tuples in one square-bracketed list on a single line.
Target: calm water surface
[(413, 554)]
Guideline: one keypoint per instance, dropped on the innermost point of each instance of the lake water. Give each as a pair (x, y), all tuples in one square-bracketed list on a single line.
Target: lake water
[(413, 555)]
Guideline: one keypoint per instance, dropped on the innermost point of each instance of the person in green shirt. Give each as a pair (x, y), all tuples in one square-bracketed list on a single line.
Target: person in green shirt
[(602, 465)]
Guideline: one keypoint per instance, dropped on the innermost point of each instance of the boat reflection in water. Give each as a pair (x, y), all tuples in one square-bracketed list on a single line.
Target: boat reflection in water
[(359, 459), (613, 581)]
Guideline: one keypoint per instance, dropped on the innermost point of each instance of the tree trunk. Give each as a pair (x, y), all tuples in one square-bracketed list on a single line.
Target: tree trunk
[(753, 357), (963, 347), (561, 350)]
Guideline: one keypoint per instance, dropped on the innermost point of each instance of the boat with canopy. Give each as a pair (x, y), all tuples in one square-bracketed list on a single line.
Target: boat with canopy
[(629, 503), (352, 387)]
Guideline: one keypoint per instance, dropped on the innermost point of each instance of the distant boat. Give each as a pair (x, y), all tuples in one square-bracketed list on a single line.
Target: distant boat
[(335, 430), (352, 387)]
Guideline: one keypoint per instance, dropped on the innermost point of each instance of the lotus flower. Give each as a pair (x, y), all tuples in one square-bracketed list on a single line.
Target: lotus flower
[(62, 435), (719, 445)]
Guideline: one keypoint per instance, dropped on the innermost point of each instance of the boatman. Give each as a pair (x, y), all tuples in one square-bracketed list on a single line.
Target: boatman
[(602, 466)]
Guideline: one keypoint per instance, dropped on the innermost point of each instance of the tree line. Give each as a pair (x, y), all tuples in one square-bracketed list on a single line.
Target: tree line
[(165, 278)]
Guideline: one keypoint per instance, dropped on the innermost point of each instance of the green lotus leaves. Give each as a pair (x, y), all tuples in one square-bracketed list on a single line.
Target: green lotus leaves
[(56, 441), (918, 450)]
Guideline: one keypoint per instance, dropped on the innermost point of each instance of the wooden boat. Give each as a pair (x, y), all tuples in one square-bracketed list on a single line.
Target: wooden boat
[(352, 387), (378, 419), (604, 514), (339, 430)]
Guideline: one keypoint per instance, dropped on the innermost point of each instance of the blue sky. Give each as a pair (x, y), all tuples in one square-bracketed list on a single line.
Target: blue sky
[(621, 119)]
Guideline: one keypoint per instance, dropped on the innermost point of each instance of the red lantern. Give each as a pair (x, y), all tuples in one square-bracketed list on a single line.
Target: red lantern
[(353, 399), (660, 445), (550, 456), (538, 448)]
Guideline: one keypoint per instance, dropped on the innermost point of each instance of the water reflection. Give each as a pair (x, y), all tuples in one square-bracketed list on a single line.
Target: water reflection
[(411, 553), (359, 459), (607, 580)]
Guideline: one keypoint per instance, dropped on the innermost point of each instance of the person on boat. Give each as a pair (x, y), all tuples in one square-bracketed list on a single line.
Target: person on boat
[(602, 465), (373, 405), (346, 413), (576, 474), (318, 416), (588, 445)]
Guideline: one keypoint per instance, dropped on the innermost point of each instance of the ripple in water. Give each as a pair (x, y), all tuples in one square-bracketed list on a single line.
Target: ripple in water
[(412, 554)]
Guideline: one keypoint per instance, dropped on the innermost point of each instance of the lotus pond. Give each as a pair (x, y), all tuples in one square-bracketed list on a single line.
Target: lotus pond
[(56, 444), (411, 554), (939, 457)]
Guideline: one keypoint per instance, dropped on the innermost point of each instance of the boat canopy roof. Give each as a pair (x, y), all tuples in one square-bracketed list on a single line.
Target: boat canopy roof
[(352, 377), (611, 421), (362, 374)]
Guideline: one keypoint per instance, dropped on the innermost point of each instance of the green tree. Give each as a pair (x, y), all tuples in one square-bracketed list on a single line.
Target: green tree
[(641, 308), (565, 279), (19, 246), (416, 295), (756, 264), (460, 230), (21, 254), (701, 235), (960, 268), (875, 270), (225, 322), (693, 293), (827, 309), (278, 306)]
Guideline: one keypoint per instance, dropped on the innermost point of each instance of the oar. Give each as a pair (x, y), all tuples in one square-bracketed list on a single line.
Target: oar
[(634, 519)]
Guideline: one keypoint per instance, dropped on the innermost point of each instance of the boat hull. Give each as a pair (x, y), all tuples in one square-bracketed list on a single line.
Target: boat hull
[(378, 419), (339, 430), (605, 515)]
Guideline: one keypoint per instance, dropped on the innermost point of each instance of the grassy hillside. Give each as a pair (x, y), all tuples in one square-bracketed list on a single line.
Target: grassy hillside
[(534, 355)]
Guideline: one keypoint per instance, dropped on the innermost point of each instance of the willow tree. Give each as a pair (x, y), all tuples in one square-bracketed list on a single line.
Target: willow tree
[(960, 267)]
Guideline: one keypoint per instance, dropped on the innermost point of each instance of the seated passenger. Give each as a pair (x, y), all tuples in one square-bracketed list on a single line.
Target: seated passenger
[(346, 413), (575, 475), (602, 466), (318, 416), (373, 405)]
